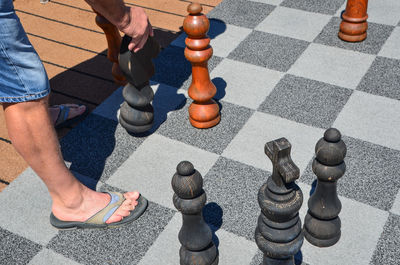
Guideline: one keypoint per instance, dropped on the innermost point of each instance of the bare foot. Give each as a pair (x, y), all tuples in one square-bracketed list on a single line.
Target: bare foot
[(75, 110), (91, 203)]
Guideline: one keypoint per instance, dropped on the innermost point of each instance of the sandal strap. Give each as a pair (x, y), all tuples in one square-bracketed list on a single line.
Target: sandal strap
[(63, 114), (103, 215)]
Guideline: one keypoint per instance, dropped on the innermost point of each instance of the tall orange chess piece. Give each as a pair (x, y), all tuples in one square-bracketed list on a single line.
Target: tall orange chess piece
[(204, 111), (354, 25), (114, 43)]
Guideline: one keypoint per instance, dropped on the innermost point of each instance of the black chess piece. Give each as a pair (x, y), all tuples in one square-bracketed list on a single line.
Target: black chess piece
[(137, 113), (322, 223), (278, 234), (195, 235)]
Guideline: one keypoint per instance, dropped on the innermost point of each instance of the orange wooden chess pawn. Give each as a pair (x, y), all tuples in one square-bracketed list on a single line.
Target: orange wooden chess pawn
[(204, 111), (354, 25), (114, 43)]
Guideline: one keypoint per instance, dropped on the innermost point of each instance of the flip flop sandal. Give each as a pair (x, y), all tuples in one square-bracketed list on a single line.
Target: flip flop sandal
[(62, 118), (99, 219)]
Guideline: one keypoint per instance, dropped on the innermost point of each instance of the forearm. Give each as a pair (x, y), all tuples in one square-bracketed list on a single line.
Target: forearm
[(114, 11)]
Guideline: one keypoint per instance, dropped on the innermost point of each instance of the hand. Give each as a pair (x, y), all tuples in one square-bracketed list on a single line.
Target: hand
[(138, 28)]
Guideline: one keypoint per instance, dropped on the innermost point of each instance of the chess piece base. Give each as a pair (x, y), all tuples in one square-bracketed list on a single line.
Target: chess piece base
[(204, 115), (352, 38), (268, 261), (134, 128), (322, 243)]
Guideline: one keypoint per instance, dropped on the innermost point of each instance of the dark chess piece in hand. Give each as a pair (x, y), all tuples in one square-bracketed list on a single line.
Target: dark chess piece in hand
[(322, 223), (137, 113), (278, 234), (195, 235)]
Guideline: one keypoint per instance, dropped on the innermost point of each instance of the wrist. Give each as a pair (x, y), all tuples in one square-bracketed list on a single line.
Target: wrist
[(124, 21)]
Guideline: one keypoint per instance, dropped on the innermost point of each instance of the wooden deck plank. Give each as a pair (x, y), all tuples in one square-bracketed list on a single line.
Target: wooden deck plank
[(3, 128), (11, 163)]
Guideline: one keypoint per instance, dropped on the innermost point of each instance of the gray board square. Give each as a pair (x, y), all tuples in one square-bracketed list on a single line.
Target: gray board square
[(123, 245), (233, 187), (377, 35), (307, 101), (319, 6), (214, 139), (174, 70), (97, 147), (369, 177), (16, 250), (387, 251), (269, 50), (382, 78), (241, 13)]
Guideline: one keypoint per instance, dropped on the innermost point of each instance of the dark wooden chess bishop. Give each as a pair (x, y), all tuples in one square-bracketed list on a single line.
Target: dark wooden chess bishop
[(204, 111), (354, 25)]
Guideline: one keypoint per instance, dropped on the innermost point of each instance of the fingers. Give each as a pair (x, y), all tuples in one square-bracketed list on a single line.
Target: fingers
[(140, 43)]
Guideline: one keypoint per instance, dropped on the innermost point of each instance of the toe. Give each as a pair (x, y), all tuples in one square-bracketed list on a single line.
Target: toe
[(76, 110)]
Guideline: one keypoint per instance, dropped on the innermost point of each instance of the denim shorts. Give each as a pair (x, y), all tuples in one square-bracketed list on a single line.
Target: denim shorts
[(22, 75)]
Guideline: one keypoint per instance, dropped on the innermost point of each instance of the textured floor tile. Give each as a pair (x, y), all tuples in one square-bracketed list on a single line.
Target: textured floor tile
[(332, 65), (214, 139), (248, 146), (318, 6), (237, 13), (232, 249), (356, 218), (241, 86), (396, 205), (3, 186), (382, 78), (15, 250), (48, 257), (269, 50), (271, 2), (97, 147), (369, 174), (25, 208), (224, 37), (229, 181), (124, 245), (306, 101), (151, 167), (109, 108), (391, 48), (294, 23), (388, 250), (384, 12), (174, 70), (377, 35), (371, 118)]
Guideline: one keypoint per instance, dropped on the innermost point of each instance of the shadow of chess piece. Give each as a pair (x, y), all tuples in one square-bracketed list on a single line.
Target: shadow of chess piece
[(278, 234), (204, 112), (195, 235), (114, 43), (137, 113), (322, 223), (354, 21)]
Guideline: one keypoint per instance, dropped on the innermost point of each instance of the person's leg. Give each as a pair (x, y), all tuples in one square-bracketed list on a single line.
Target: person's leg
[(33, 136)]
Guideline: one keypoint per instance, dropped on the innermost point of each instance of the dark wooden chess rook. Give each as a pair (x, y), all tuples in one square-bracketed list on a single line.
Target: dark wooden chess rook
[(354, 25), (114, 43), (204, 111), (322, 223), (278, 234), (195, 235), (137, 113)]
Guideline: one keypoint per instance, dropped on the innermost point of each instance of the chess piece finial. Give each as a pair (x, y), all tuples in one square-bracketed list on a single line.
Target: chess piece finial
[(204, 111), (353, 27), (137, 113), (278, 234), (322, 223), (195, 236)]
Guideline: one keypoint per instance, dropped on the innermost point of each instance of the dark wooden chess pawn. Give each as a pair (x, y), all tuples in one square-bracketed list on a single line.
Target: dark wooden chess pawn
[(204, 111), (278, 234), (322, 223), (195, 235), (137, 113), (114, 43), (354, 21)]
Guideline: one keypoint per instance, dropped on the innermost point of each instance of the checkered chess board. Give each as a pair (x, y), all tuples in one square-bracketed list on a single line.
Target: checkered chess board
[(280, 71)]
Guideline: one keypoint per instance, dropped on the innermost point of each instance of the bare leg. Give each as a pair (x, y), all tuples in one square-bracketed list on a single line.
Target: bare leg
[(33, 136)]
